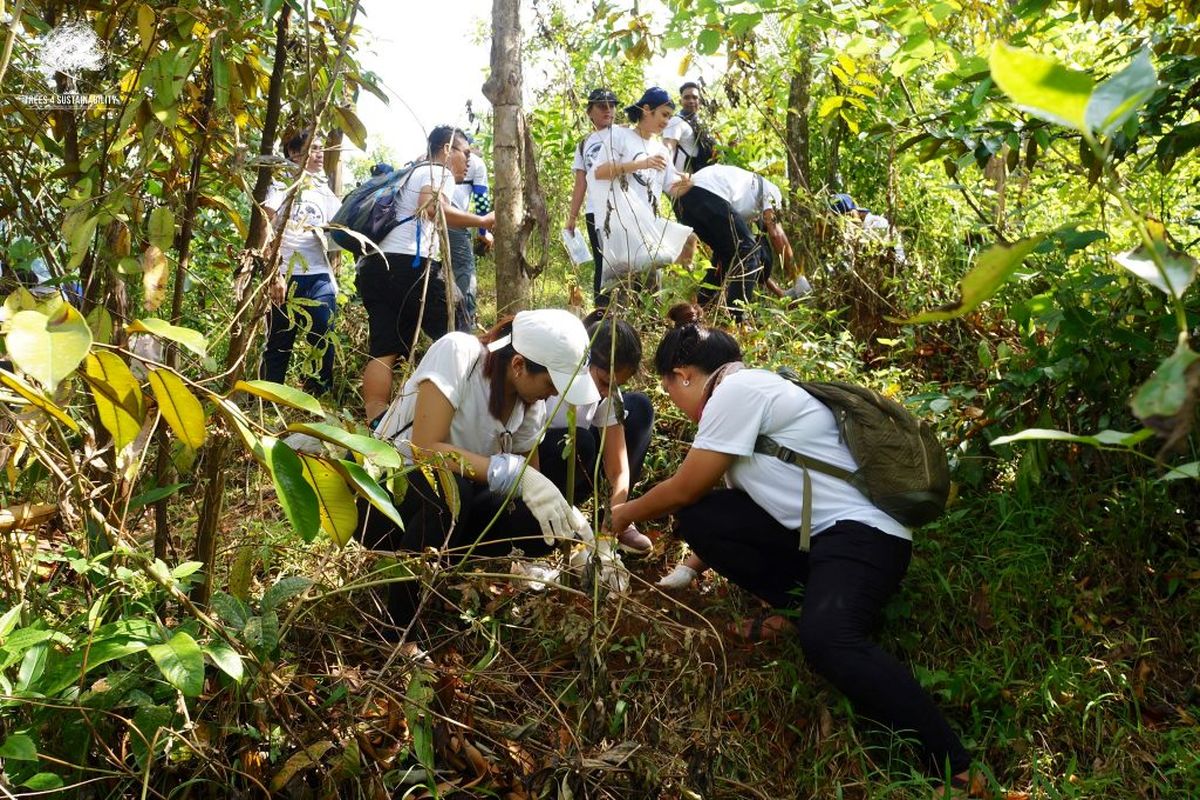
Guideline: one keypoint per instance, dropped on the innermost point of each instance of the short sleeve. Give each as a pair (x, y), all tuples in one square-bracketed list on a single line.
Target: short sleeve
[(606, 414), (447, 365), (274, 197), (577, 164), (529, 432), (479, 173), (672, 129), (732, 419)]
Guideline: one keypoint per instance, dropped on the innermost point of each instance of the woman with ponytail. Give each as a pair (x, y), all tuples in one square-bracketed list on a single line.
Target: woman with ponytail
[(748, 531)]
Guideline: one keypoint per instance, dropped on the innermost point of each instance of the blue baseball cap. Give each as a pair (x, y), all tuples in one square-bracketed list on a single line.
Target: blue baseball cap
[(654, 97), (842, 203)]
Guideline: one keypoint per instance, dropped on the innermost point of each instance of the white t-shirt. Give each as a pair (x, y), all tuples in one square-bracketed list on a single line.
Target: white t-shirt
[(302, 248), (454, 364), (748, 193), (755, 402), (585, 158), (878, 226), (682, 132), (624, 146), (477, 175), (600, 414), (403, 238)]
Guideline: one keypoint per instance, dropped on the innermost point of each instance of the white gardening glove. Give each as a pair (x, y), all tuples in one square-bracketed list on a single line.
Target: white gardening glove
[(581, 527), (679, 578), (547, 505)]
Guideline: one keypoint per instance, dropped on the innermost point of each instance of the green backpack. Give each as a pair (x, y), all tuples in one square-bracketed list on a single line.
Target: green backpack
[(902, 468)]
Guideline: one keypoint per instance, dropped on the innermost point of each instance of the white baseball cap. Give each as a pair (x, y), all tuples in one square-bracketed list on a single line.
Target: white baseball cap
[(557, 340)]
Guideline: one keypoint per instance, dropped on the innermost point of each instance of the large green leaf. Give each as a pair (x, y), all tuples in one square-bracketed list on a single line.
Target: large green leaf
[(192, 340), (1105, 438), (1042, 86), (278, 393), (118, 396), (293, 491), (366, 486), (179, 408), (1165, 394), (19, 747), (161, 230), (382, 453), (48, 348), (145, 739), (226, 658), (992, 268), (182, 663), (1119, 97), (283, 590), (339, 512), (1178, 272)]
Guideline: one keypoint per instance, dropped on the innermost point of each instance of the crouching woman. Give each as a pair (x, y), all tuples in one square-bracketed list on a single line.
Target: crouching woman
[(476, 406), (748, 532)]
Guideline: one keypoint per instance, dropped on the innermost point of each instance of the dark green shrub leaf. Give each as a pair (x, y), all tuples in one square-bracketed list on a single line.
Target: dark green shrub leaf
[(181, 662), (295, 495)]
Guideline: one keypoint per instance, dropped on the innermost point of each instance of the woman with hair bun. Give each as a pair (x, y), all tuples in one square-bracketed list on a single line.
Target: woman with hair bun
[(748, 531)]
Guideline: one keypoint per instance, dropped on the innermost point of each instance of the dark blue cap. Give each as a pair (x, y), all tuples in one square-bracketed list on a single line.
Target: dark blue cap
[(654, 97), (842, 203), (382, 168), (601, 96)]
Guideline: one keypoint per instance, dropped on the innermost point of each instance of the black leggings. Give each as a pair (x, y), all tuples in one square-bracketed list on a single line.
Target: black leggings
[(638, 424), (599, 298), (429, 523), (734, 248), (842, 585)]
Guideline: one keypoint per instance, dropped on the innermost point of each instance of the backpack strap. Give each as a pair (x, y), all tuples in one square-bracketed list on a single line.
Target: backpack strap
[(769, 447)]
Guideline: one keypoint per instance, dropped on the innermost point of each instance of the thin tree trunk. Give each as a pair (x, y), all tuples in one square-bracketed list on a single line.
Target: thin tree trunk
[(503, 89), (799, 170), (215, 467)]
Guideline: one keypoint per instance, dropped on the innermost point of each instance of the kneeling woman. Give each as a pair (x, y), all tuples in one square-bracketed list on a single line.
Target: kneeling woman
[(477, 406), (748, 533)]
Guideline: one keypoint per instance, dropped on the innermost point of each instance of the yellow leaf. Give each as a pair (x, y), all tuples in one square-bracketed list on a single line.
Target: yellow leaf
[(119, 401), (847, 63), (145, 25), (48, 347), (335, 501), (155, 272), (179, 408), (685, 64), (161, 230), (37, 399)]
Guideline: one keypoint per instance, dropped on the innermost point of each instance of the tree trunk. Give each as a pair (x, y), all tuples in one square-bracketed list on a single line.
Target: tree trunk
[(333, 160), (503, 89), (799, 174)]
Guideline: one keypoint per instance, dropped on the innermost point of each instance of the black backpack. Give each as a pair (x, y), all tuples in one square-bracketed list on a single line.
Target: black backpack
[(902, 467), (370, 210)]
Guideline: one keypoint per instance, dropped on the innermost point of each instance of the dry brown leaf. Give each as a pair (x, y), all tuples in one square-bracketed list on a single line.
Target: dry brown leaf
[(155, 273)]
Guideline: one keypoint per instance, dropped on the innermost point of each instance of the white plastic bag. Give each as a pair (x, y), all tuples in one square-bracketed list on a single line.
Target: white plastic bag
[(634, 239), (577, 246)]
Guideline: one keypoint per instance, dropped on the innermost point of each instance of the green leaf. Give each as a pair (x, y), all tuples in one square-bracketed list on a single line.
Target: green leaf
[(292, 491), (1105, 438), (1191, 471), (278, 393), (283, 590), (179, 408), (335, 501), (1165, 394), (48, 348), (32, 667), (382, 453), (349, 122), (145, 26), (9, 620), (1180, 268), (36, 399), (830, 104), (151, 496), (181, 662), (367, 488), (231, 610), (220, 74), (708, 41), (1042, 86), (187, 337), (416, 711), (78, 232), (992, 268), (263, 632), (1118, 98), (144, 738), (120, 404), (226, 659), (19, 747), (43, 782), (161, 229)]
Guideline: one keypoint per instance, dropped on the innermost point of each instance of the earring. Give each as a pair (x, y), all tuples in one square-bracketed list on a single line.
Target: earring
[(687, 382)]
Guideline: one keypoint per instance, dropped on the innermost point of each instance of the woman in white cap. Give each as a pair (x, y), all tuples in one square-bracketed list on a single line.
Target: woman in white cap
[(477, 406)]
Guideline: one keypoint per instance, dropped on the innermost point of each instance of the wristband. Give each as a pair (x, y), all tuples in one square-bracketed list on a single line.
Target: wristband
[(504, 469)]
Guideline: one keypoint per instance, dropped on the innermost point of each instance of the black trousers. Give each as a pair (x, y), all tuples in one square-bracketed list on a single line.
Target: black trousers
[(734, 248), (601, 300), (638, 424), (842, 585), (487, 527), (396, 295)]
